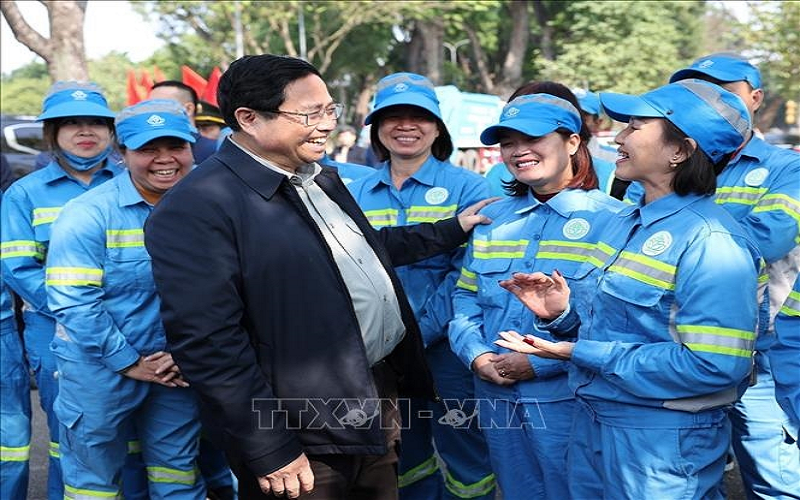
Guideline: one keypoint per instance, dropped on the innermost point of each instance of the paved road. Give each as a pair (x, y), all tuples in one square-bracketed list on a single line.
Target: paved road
[(37, 487)]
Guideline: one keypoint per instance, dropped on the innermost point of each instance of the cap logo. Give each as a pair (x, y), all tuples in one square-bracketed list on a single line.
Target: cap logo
[(400, 87), (576, 229), (511, 112), (436, 195), (706, 64), (79, 95), (155, 121), (657, 244)]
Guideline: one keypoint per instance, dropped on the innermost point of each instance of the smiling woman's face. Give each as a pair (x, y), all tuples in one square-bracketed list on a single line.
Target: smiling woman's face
[(407, 131)]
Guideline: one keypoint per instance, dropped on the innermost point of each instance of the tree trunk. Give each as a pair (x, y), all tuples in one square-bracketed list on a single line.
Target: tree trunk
[(546, 40), (511, 77), (64, 51)]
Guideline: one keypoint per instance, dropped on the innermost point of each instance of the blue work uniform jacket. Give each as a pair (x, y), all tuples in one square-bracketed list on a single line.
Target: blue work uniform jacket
[(437, 191), (672, 324), (760, 187), (258, 315), (29, 208), (525, 236), (784, 356), (99, 279)]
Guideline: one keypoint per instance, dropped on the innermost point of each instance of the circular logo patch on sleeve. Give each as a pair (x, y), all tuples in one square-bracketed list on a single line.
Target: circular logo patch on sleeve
[(657, 243), (576, 229), (436, 195)]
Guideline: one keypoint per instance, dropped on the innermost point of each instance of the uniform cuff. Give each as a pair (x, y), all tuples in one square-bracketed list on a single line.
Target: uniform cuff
[(591, 354), (121, 359)]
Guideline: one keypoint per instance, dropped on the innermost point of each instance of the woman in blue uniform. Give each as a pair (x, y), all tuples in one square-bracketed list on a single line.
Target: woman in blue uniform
[(550, 221), (666, 342), (415, 183), (116, 378), (79, 131)]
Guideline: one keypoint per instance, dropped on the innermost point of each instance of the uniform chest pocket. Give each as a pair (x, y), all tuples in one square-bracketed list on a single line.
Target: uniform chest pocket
[(129, 268), (644, 307), (488, 272)]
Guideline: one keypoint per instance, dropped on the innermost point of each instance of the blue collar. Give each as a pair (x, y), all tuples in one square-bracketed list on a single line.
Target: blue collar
[(425, 175), (53, 172), (662, 207), (564, 203), (128, 194)]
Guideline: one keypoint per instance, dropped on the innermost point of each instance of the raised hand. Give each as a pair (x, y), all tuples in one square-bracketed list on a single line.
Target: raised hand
[(530, 344), (546, 296)]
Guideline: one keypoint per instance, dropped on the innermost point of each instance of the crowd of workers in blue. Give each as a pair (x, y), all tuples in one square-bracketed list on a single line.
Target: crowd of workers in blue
[(607, 346)]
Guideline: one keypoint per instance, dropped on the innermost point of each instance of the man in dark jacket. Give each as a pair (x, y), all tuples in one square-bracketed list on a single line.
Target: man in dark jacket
[(280, 301)]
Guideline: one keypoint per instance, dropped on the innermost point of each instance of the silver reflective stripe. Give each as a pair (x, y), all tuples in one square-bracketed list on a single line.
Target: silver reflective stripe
[(418, 473), (745, 196), (482, 249), (167, 475), (21, 248), (702, 403), (467, 280), (77, 276), (122, 238), (430, 214), (45, 215), (385, 217), (643, 272), (391, 81), (15, 453), (72, 493), (567, 250), (543, 99), (713, 98), (710, 339)]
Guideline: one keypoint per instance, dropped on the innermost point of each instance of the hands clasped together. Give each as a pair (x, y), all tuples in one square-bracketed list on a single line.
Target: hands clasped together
[(158, 368)]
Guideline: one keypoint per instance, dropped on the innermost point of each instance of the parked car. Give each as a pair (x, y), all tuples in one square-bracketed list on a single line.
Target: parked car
[(20, 142), (783, 139)]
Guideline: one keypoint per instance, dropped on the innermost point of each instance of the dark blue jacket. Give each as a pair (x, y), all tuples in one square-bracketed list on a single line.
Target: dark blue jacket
[(255, 309)]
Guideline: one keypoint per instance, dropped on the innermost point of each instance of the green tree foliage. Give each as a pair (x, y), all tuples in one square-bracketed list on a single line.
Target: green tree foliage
[(620, 46)]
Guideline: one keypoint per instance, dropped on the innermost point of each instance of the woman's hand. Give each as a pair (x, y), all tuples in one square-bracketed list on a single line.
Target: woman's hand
[(546, 296), (157, 368), (530, 344)]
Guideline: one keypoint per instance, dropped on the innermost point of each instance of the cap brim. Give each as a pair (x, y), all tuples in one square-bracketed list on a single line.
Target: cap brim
[(527, 126), (722, 76), (406, 99), (76, 109), (138, 140), (621, 107)]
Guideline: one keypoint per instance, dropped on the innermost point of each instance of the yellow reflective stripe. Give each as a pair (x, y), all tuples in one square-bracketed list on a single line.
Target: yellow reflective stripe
[(718, 340), (382, 217), (740, 195), (791, 307), (628, 201), (72, 493), (134, 447), (645, 269), (467, 280), (779, 202), (15, 453), (499, 249), (474, 490), (566, 250), (430, 213), (73, 276), (167, 475), (21, 248), (53, 451), (418, 473), (124, 238), (45, 215)]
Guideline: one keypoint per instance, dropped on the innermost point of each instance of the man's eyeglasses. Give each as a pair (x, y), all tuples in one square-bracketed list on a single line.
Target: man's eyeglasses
[(310, 119)]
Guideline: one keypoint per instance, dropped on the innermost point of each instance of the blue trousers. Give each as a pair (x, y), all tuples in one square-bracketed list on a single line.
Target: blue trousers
[(15, 414), (99, 410), (764, 440), (39, 331), (632, 458), (452, 425), (527, 445)]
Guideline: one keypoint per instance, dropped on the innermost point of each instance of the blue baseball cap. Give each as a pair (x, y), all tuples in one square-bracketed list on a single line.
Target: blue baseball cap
[(141, 123), (723, 67), (588, 101), (717, 119), (534, 115), (409, 89), (70, 98)]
